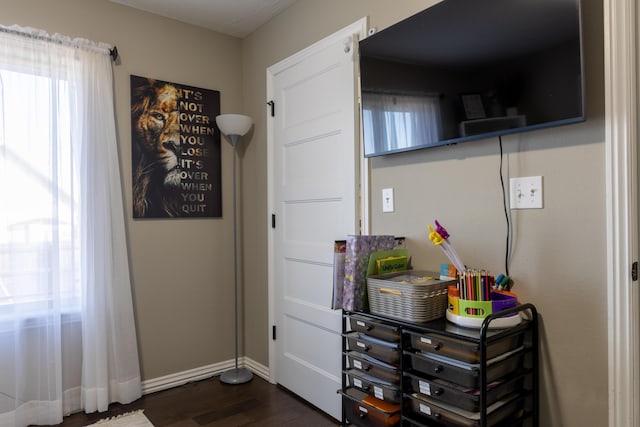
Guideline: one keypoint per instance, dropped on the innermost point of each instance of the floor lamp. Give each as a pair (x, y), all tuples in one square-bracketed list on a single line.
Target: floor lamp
[(233, 126)]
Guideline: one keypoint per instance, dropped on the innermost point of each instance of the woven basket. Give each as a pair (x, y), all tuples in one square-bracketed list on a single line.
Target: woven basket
[(414, 296)]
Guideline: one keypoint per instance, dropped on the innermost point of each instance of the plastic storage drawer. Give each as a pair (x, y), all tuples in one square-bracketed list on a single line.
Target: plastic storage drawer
[(373, 367), (373, 386), (364, 410), (375, 328), (449, 415), (465, 374), (462, 397), (382, 350), (460, 349)]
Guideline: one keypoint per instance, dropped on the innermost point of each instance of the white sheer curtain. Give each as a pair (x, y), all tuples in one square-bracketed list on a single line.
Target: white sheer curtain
[(397, 121), (67, 334)]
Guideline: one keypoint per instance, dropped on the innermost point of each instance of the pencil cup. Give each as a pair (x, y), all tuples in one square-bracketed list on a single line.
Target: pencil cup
[(477, 309), (502, 300), (468, 312)]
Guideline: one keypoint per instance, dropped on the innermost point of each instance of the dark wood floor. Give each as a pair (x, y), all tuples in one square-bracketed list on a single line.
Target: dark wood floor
[(212, 404)]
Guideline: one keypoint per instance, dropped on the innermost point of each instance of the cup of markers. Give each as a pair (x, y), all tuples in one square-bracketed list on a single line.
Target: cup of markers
[(476, 295)]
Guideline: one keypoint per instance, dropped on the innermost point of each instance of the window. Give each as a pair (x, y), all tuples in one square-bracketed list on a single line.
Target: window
[(67, 329), (393, 122), (38, 223)]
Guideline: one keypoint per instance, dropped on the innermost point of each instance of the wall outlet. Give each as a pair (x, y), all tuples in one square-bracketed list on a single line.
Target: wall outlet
[(387, 200), (525, 192)]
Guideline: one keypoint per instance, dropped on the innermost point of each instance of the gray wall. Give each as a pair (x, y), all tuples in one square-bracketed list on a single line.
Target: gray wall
[(182, 280), (558, 257)]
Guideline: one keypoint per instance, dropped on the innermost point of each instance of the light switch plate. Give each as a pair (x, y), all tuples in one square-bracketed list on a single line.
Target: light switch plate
[(525, 192), (387, 200)]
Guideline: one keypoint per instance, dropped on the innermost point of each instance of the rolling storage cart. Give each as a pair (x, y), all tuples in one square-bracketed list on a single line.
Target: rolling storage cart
[(371, 371), (399, 373)]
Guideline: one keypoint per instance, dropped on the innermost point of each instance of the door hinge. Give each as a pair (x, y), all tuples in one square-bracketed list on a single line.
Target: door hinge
[(273, 108), (273, 332), (273, 220), (634, 271)]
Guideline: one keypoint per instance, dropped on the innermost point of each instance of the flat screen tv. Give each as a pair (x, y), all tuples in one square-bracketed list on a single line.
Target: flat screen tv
[(468, 69)]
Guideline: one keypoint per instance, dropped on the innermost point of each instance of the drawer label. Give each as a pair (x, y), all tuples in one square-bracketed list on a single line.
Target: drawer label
[(425, 340), (377, 392), (363, 409), (425, 409), (425, 388), (361, 344), (357, 383), (360, 323), (357, 364)]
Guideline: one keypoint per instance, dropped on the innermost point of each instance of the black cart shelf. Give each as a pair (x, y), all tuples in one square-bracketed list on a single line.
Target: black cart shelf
[(399, 373)]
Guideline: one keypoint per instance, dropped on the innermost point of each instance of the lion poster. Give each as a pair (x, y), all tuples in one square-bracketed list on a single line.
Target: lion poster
[(175, 150)]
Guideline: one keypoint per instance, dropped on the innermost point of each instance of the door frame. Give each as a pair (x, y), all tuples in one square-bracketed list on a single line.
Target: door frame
[(621, 22), (344, 34)]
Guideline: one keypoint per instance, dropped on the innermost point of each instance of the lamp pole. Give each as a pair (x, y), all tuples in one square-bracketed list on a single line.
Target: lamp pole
[(236, 375)]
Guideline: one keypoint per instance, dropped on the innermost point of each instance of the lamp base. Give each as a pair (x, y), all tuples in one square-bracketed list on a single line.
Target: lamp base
[(236, 376)]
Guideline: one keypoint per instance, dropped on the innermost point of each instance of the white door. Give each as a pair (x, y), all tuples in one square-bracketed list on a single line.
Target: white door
[(313, 165)]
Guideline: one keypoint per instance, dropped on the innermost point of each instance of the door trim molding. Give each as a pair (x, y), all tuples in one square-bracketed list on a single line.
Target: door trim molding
[(621, 120), (357, 28)]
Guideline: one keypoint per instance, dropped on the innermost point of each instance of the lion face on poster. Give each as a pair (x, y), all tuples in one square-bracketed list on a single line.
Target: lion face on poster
[(156, 131)]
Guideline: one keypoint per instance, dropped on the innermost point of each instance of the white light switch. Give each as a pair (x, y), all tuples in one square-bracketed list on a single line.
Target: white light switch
[(525, 192), (387, 200)]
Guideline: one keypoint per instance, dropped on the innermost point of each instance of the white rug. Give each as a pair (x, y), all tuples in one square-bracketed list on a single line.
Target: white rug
[(131, 419)]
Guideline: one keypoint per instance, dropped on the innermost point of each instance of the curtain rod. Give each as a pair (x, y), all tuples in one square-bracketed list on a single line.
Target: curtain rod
[(38, 34)]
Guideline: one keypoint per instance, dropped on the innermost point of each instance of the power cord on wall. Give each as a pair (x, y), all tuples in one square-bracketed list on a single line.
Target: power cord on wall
[(506, 214)]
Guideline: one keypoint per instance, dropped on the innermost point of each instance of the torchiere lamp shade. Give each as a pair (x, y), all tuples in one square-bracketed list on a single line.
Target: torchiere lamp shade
[(234, 124)]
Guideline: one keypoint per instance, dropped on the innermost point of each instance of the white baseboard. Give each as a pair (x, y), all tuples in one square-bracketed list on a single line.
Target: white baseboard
[(257, 368), (180, 378)]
